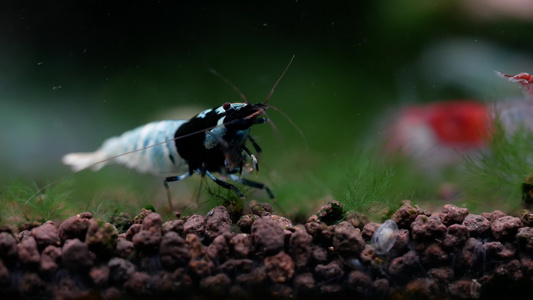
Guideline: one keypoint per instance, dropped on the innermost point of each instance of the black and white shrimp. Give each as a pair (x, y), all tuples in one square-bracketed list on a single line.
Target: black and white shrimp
[(213, 141)]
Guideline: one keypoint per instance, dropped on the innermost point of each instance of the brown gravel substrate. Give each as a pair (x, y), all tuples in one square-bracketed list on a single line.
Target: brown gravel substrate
[(446, 255)]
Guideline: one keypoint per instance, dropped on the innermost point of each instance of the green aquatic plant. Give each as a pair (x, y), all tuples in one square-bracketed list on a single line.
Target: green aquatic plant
[(374, 185), (367, 186), (26, 202), (495, 177), (377, 184)]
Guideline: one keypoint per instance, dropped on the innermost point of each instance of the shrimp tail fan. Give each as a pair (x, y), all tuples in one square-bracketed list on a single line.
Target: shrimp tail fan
[(81, 161)]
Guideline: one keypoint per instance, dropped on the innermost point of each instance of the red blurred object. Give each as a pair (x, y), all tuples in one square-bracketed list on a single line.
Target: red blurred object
[(459, 123), (440, 132)]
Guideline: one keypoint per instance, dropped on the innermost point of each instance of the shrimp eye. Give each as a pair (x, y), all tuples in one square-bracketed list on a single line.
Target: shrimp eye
[(226, 106)]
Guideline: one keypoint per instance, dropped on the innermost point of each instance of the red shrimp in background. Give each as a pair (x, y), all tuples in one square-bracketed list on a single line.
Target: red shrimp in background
[(440, 133)]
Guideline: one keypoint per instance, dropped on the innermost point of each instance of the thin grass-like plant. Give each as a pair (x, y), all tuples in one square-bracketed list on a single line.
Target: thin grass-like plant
[(51, 204), (495, 176)]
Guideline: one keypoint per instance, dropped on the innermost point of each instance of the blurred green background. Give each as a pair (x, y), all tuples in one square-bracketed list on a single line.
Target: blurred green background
[(73, 73)]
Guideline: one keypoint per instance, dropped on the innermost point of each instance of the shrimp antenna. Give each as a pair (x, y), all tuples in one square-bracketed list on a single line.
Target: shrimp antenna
[(293, 124), (279, 79), (243, 97), (279, 110)]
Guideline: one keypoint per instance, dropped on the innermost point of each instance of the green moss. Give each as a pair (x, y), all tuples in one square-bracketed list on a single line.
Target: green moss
[(494, 178), (26, 202), (149, 207), (375, 185)]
